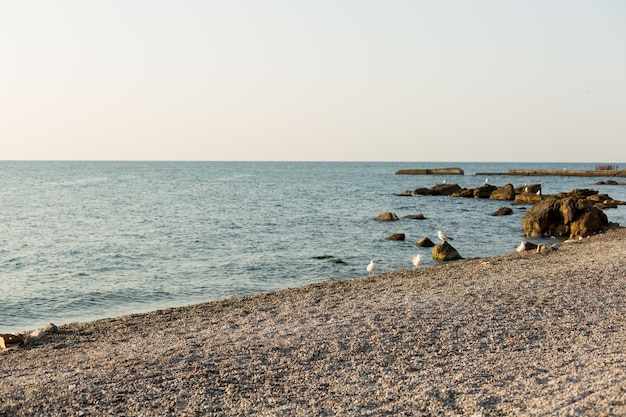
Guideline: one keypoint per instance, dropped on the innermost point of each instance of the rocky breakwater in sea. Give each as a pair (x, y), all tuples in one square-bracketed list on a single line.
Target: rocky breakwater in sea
[(525, 194), (505, 192), (578, 213)]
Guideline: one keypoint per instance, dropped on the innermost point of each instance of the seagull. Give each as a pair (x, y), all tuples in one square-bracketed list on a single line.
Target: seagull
[(443, 237), (539, 192), (521, 247), (371, 267), (486, 180), (417, 260), (444, 180)]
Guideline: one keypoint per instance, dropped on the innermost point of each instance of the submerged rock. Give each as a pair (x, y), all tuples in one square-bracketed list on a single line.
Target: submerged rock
[(445, 189), (425, 242), (386, 217), (414, 216), (502, 211)]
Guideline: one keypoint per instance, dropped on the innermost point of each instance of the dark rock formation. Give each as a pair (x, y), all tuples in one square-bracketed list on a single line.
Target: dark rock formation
[(564, 217), (484, 191), (589, 222), (419, 216), (529, 198), (386, 217), (466, 193), (503, 193), (502, 211), (601, 201), (396, 236), (445, 189), (526, 246), (422, 191), (425, 242), (579, 193), (445, 252), (528, 188)]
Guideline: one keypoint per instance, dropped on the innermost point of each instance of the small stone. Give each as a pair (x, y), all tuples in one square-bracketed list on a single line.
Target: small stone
[(425, 242), (50, 328), (10, 341), (502, 211), (386, 217), (37, 334), (419, 216)]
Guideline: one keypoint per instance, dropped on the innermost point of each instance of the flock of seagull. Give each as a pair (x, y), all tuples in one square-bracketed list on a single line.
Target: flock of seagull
[(417, 259)]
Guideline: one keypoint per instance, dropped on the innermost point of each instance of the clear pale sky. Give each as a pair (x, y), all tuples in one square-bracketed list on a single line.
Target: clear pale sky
[(340, 80)]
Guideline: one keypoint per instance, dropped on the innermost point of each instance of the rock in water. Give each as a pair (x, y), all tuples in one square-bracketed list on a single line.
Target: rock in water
[(445, 252), (386, 217), (502, 211), (425, 242), (564, 217)]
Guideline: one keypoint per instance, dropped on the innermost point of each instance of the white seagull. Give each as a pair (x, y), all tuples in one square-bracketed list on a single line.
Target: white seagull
[(521, 247), (371, 267), (417, 260), (443, 237)]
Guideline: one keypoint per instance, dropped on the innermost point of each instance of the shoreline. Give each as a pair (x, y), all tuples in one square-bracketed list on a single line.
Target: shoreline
[(519, 334)]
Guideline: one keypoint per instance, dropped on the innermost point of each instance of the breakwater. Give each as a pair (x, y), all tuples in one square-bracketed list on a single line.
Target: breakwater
[(431, 171), (558, 173)]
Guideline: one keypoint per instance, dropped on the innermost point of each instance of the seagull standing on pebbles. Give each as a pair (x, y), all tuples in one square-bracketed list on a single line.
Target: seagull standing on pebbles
[(371, 267), (443, 237), (521, 247), (417, 260)]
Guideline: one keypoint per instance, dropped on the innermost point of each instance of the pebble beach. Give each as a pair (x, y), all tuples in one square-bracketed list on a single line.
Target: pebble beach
[(525, 334)]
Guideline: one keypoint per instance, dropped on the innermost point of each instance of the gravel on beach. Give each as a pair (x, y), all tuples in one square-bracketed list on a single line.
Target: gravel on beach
[(523, 334)]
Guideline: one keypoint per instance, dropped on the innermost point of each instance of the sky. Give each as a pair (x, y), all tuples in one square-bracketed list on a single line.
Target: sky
[(292, 80)]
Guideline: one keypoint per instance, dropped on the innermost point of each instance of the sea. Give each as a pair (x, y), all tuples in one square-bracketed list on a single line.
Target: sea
[(81, 241)]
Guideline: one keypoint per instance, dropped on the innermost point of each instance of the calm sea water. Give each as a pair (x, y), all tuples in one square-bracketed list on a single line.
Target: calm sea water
[(86, 240)]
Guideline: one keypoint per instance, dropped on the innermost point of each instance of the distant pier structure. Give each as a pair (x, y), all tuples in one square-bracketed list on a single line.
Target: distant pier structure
[(559, 173), (431, 171)]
